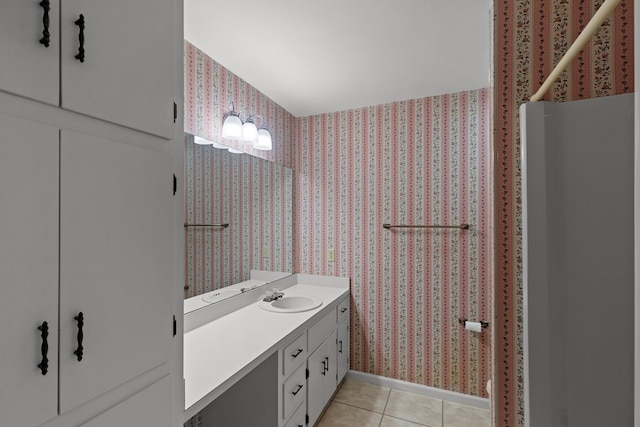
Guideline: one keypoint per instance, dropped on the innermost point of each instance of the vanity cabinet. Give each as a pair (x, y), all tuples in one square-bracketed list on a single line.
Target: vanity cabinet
[(109, 60), (322, 377), (320, 359), (85, 246), (342, 343)]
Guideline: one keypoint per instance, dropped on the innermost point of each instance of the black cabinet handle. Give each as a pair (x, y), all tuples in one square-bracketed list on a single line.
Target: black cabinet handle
[(79, 351), (343, 310), (297, 353), (44, 365), (340, 342), (297, 390), (45, 23), (80, 23), (327, 359), (324, 367)]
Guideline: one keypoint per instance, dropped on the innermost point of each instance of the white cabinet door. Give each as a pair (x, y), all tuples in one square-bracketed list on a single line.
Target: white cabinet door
[(149, 408), (115, 263), (322, 377), (343, 349), (29, 68), (29, 268), (127, 73)]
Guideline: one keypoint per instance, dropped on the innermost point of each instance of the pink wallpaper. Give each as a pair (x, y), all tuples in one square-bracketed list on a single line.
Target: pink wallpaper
[(423, 161), (530, 38), (255, 197), (219, 257), (209, 88)]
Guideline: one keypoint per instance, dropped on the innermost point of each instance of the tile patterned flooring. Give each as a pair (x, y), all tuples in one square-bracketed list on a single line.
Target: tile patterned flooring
[(367, 405)]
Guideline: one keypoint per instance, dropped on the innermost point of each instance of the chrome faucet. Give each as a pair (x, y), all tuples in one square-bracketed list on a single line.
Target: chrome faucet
[(273, 295)]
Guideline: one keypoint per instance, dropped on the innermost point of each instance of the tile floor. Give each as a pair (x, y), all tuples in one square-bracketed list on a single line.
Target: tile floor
[(367, 405)]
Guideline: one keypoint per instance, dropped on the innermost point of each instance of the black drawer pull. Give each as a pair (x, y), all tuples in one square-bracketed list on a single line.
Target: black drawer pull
[(327, 359), (297, 390), (80, 23), (297, 353), (79, 351), (340, 342), (324, 367), (343, 310), (44, 365), (45, 23)]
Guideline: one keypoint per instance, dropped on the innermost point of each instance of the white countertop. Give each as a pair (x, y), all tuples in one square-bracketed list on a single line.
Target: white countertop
[(221, 352), (194, 303)]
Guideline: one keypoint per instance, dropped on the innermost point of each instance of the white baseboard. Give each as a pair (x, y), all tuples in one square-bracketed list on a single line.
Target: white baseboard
[(436, 393)]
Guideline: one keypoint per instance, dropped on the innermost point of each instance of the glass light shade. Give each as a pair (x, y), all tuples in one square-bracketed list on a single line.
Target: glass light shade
[(249, 131), (264, 140), (201, 141), (219, 146), (232, 126), (234, 151)]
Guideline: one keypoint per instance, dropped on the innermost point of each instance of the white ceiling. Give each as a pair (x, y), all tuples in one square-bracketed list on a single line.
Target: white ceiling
[(314, 57)]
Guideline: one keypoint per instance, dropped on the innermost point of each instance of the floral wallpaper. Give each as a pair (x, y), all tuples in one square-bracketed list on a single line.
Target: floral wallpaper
[(252, 195), (209, 89), (530, 38), (422, 161)]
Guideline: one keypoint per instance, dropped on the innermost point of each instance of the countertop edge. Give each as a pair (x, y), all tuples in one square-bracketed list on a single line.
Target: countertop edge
[(218, 390)]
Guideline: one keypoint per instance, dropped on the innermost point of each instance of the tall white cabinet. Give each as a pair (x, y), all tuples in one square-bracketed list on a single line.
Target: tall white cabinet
[(87, 246), (29, 268), (110, 60)]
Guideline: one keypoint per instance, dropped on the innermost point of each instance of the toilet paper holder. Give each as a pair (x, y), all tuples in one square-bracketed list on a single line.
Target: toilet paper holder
[(484, 324)]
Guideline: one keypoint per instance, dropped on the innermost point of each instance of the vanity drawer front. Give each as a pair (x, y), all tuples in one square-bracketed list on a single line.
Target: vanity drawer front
[(294, 391), (294, 354), (343, 310), (322, 329), (299, 418)]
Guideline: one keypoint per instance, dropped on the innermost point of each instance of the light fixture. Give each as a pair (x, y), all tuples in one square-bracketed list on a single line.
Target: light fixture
[(234, 151), (263, 141), (219, 146), (232, 125), (201, 141), (249, 130), (234, 128)]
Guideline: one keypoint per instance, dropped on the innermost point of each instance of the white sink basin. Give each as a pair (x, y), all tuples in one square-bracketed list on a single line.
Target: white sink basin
[(291, 304)]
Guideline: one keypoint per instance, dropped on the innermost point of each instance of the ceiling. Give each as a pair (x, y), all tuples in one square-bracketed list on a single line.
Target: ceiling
[(314, 57)]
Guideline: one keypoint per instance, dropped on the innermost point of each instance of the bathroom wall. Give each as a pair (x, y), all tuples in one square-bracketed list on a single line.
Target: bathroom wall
[(209, 88), (219, 257), (423, 161), (255, 197), (419, 161), (530, 38)]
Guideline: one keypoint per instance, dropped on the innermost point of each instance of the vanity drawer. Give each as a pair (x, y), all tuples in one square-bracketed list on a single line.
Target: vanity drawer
[(294, 391), (322, 329), (343, 310), (294, 354), (299, 418)]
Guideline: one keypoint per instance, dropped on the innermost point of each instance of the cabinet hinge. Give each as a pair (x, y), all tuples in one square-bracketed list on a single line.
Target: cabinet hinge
[(307, 374), (307, 418), (175, 326), (175, 112), (175, 184)]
